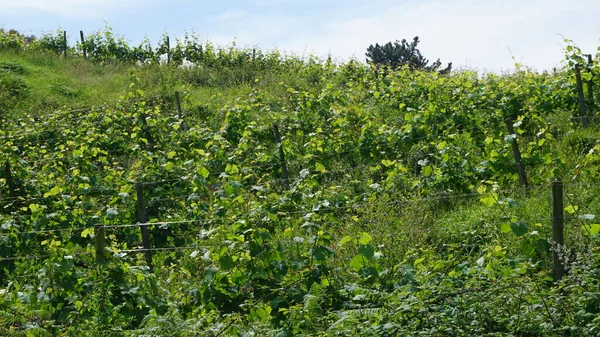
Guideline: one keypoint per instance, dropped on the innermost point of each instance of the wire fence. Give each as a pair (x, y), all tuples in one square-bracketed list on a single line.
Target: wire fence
[(90, 108), (302, 213), (225, 173), (213, 186)]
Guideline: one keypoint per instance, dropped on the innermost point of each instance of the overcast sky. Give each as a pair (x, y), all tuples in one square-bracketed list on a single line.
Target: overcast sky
[(483, 35)]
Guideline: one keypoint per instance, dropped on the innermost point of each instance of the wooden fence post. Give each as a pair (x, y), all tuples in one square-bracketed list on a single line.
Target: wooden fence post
[(146, 130), (284, 169), (168, 50), (83, 44), (590, 84), (178, 101), (517, 153), (141, 210), (582, 112), (557, 229), (179, 111), (12, 188), (99, 243), (66, 45)]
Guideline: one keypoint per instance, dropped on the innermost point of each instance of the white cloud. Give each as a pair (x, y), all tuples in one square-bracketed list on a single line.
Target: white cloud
[(474, 33), (231, 15), (69, 8), (254, 30)]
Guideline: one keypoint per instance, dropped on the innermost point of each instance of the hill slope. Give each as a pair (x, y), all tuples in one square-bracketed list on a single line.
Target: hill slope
[(385, 202)]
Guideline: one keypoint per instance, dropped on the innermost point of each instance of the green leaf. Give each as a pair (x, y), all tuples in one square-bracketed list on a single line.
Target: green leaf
[(357, 262), (34, 331), (319, 167), (367, 251), (365, 238), (388, 163), (274, 303), (368, 272), (591, 229), (226, 262), (488, 201), (203, 172), (231, 169), (345, 240), (54, 191), (571, 209), (418, 261), (320, 253), (87, 232), (505, 227), (66, 264), (427, 170), (542, 246), (519, 228), (526, 248), (171, 154)]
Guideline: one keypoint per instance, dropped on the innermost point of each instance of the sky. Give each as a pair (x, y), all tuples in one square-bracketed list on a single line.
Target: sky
[(485, 35)]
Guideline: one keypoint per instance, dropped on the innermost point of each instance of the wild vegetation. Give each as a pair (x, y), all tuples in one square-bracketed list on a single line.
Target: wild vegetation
[(402, 53), (401, 213)]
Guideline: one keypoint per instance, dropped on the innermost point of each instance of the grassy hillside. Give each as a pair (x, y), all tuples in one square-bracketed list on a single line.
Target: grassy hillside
[(399, 210)]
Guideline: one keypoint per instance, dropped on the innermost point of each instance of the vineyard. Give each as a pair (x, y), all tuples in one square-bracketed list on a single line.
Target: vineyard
[(187, 190)]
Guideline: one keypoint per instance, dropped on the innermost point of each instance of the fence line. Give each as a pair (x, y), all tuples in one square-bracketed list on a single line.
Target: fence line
[(23, 134), (46, 231), (108, 105), (357, 205), (160, 223), (16, 258), (142, 250), (296, 160), (11, 200), (185, 178), (304, 211)]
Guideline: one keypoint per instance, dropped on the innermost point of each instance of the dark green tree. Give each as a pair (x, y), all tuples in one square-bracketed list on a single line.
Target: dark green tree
[(402, 53)]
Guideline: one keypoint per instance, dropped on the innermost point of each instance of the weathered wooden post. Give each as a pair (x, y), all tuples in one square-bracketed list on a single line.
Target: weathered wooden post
[(168, 50), (65, 44), (99, 243), (284, 170), (179, 110), (141, 210), (590, 85), (12, 188), (582, 110), (83, 44), (557, 229), (517, 153)]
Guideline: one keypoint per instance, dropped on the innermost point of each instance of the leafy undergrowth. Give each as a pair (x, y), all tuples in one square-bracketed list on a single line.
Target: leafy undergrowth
[(401, 212)]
